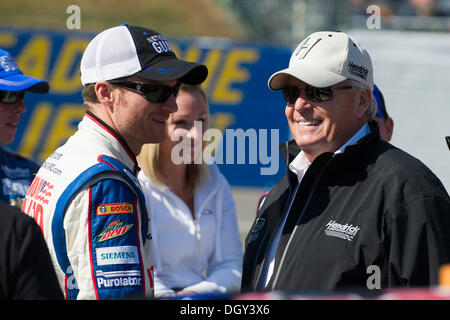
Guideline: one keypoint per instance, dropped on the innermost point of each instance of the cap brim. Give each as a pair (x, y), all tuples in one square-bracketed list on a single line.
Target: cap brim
[(20, 82), (311, 75), (174, 69)]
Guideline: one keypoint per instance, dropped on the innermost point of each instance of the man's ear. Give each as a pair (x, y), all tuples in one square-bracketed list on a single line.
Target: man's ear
[(389, 125), (364, 102), (104, 93)]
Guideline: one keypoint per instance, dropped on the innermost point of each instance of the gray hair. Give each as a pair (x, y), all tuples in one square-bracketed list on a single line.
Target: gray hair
[(372, 109)]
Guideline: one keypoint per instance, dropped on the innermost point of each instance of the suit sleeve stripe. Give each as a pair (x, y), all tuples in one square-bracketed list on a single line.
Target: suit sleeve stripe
[(94, 282), (66, 288), (139, 244), (99, 159)]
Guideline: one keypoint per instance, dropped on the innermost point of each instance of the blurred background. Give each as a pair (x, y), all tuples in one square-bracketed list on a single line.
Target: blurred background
[(242, 42)]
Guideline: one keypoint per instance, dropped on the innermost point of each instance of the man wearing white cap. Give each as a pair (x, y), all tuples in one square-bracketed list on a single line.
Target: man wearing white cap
[(352, 211), (86, 197)]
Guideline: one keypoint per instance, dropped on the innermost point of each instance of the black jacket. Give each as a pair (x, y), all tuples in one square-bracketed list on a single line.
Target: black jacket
[(26, 271), (372, 211)]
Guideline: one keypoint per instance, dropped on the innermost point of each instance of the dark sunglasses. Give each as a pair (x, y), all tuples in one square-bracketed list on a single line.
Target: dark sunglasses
[(313, 94), (11, 97), (152, 92)]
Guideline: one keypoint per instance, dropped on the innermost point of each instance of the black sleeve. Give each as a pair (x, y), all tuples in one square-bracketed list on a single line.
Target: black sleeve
[(31, 274), (419, 236)]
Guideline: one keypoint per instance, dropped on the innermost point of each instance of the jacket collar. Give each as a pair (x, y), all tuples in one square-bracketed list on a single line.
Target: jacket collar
[(289, 149), (129, 154)]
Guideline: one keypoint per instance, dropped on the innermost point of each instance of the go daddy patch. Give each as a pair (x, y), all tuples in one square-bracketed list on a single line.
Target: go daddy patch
[(115, 208)]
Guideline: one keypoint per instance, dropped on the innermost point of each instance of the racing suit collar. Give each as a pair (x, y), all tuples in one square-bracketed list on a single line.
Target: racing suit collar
[(117, 136)]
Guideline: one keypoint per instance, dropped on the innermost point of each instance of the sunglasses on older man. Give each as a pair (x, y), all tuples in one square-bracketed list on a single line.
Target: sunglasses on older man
[(152, 92), (313, 94), (11, 97)]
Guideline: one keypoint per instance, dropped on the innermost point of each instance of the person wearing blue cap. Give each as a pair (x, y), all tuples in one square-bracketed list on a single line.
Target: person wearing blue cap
[(16, 172), (26, 270), (384, 121)]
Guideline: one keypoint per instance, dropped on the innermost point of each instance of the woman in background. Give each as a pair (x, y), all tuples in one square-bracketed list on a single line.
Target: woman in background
[(196, 245)]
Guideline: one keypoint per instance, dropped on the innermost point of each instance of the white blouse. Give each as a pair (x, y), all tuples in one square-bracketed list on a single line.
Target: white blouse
[(202, 254)]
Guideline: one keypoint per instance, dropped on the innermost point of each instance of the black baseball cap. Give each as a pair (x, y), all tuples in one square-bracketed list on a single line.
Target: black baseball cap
[(131, 50)]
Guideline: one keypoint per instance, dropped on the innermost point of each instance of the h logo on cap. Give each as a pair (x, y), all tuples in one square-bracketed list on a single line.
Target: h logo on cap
[(307, 47)]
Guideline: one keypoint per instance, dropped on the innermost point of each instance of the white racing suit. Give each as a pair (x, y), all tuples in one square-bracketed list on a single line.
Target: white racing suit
[(91, 210)]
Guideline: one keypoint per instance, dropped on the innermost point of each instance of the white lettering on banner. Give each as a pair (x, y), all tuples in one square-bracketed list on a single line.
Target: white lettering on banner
[(117, 255)]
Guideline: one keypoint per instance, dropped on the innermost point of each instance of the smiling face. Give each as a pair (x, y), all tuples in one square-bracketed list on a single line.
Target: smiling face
[(319, 127), (192, 108), (140, 121), (9, 120)]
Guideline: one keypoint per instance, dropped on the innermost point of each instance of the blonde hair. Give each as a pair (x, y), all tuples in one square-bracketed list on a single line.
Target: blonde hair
[(149, 162)]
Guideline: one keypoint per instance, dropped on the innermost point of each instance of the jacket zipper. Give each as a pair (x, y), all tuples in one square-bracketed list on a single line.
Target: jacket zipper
[(256, 283), (298, 220), (197, 224)]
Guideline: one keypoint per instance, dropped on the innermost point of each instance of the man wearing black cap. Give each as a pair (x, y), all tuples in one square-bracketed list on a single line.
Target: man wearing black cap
[(86, 197), (16, 172)]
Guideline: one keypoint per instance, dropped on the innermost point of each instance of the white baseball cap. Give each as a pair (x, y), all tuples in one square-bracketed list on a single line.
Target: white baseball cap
[(130, 50), (324, 59)]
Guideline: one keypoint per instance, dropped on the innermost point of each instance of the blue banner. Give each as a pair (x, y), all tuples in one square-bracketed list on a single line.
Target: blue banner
[(250, 115)]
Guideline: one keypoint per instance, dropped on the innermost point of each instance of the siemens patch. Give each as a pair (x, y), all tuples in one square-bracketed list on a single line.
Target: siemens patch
[(117, 255)]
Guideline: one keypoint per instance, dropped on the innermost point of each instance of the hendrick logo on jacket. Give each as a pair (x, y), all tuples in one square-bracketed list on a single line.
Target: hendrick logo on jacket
[(343, 231)]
